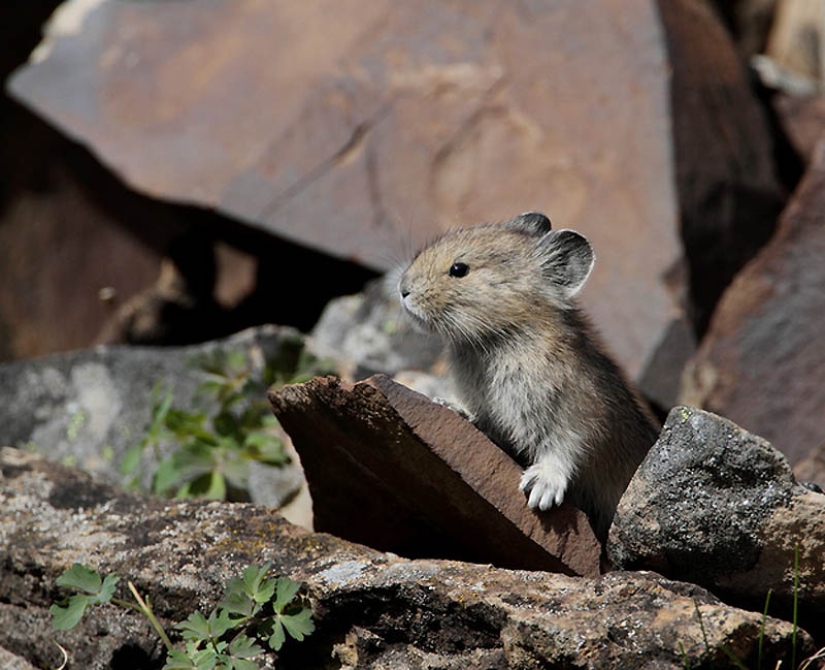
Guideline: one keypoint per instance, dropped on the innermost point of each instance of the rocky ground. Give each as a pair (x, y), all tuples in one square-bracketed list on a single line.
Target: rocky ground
[(686, 138)]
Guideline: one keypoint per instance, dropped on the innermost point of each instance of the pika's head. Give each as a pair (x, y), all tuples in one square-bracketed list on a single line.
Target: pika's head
[(477, 282)]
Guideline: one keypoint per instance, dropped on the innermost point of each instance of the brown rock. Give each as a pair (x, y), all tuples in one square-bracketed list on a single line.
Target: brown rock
[(760, 363), (803, 120), (371, 610), (390, 124), (729, 195), (812, 467), (391, 469)]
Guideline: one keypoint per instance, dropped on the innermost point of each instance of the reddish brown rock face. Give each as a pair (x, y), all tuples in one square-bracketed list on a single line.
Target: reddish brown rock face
[(364, 128), (388, 468), (761, 363)]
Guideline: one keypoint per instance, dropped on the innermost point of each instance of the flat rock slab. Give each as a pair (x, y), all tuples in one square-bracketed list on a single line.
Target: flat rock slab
[(372, 610), (760, 363), (391, 469)]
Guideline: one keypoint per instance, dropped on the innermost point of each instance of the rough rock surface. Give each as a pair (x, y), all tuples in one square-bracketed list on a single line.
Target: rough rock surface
[(717, 506), (372, 610), (89, 407), (760, 363), (389, 468)]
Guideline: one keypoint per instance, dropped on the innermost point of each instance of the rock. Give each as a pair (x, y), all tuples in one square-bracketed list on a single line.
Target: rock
[(717, 506), (89, 407), (749, 21), (391, 125), (759, 364), (369, 333), (796, 37), (729, 194), (11, 661), (812, 468), (372, 610), (803, 118), (390, 469)]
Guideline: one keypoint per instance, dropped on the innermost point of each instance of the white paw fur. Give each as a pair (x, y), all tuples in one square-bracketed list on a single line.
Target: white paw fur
[(545, 483)]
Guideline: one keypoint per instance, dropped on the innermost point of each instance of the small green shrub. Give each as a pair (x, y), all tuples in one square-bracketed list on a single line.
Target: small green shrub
[(256, 612), (229, 425)]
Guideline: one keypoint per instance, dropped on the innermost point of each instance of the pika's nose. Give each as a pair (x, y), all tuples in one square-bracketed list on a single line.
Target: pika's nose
[(403, 289)]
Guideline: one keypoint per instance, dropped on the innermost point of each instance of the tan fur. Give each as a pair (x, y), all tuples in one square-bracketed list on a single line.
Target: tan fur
[(527, 364)]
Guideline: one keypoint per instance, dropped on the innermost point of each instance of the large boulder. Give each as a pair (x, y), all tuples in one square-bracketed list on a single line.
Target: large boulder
[(368, 128), (372, 610)]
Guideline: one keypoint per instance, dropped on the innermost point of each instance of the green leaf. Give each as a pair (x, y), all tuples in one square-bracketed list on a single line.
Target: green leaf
[(194, 627), (236, 361), (160, 406), (185, 424), (298, 625), (95, 590), (256, 584), (178, 660), (285, 590), (244, 646), (131, 459), (245, 595), (278, 637), (85, 578), (240, 603), (239, 664), (265, 448), (211, 486), (107, 590), (227, 424), (167, 476), (65, 616), (81, 577), (211, 388), (198, 627)]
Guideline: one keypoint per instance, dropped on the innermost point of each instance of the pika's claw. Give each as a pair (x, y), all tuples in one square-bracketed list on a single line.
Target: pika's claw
[(545, 484)]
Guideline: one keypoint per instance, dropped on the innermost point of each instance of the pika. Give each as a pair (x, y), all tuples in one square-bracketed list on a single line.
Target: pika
[(528, 366)]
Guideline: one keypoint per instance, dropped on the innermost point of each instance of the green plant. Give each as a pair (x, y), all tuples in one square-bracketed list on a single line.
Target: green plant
[(256, 610), (205, 450)]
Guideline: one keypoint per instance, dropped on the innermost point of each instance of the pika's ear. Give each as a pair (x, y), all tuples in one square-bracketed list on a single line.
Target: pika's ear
[(567, 258), (532, 223)]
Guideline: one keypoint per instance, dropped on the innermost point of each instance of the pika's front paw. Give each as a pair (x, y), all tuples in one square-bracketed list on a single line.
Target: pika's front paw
[(545, 484)]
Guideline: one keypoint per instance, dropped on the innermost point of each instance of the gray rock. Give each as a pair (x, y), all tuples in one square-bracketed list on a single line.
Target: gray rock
[(369, 333), (88, 407), (372, 610), (717, 506)]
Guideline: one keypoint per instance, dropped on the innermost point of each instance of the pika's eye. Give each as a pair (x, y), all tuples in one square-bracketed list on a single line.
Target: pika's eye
[(459, 269)]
